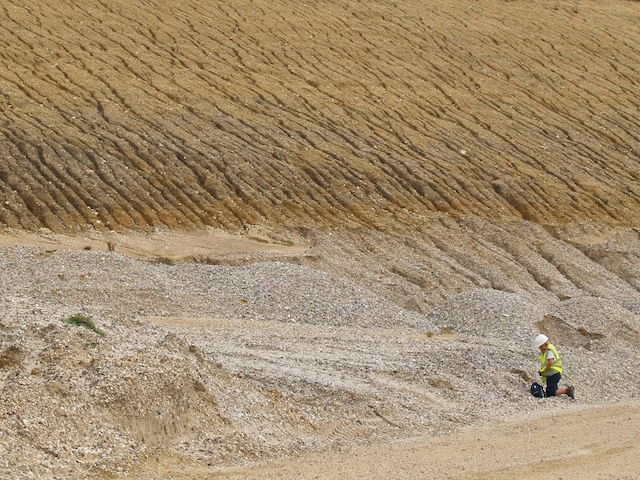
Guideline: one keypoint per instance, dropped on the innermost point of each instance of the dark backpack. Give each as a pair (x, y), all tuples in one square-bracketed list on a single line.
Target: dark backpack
[(537, 390)]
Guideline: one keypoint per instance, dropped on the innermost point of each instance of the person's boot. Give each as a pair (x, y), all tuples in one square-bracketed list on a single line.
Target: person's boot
[(571, 392)]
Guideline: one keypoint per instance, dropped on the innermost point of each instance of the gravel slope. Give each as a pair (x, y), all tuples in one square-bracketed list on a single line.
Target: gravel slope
[(223, 365)]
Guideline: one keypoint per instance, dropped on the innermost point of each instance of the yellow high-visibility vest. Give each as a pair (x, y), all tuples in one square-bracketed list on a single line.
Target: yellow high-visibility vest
[(556, 367)]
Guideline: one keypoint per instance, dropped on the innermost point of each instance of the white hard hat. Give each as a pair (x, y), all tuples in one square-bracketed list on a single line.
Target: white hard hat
[(540, 340)]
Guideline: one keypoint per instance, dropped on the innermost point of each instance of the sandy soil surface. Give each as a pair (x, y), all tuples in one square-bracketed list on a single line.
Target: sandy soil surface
[(180, 114), (594, 443), (162, 246)]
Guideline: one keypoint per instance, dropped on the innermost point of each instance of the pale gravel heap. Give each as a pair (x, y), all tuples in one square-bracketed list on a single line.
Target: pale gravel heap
[(228, 365)]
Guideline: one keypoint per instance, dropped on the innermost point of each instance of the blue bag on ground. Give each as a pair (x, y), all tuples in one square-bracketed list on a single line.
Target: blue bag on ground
[(537, 390)]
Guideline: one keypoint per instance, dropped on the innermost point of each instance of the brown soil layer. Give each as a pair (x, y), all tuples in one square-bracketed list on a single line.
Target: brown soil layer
[(180, 114)]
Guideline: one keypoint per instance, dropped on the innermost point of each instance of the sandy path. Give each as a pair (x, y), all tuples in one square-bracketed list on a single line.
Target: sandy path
[(160, 245), (590, 443)]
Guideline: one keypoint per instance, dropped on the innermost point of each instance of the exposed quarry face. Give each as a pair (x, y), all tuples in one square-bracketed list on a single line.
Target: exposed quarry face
[(119, 115), (307, 226)]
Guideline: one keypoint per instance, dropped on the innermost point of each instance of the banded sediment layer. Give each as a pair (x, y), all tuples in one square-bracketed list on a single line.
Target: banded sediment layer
[(182, 114)]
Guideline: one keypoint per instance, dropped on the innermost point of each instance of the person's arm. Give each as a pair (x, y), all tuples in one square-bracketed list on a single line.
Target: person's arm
[(550, 361)]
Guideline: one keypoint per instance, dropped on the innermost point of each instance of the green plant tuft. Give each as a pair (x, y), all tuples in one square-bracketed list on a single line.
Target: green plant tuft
[(81, 320)]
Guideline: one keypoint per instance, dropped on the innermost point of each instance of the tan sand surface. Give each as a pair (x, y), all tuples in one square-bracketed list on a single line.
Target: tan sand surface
[(593, 443), (201, 245)]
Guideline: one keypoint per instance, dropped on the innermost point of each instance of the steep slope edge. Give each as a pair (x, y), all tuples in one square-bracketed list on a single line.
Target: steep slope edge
[(173, 114)]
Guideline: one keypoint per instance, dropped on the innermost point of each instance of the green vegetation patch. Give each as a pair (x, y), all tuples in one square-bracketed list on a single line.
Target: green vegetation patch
[(83, 321)]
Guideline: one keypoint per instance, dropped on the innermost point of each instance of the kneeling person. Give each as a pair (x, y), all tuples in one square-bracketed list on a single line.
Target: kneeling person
[(551, 368)]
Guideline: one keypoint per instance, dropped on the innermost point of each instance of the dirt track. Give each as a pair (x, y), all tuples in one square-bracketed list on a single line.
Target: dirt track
[(596, 443)]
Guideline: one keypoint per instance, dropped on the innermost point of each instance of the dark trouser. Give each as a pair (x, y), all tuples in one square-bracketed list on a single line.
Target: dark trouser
[(552, 385)]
